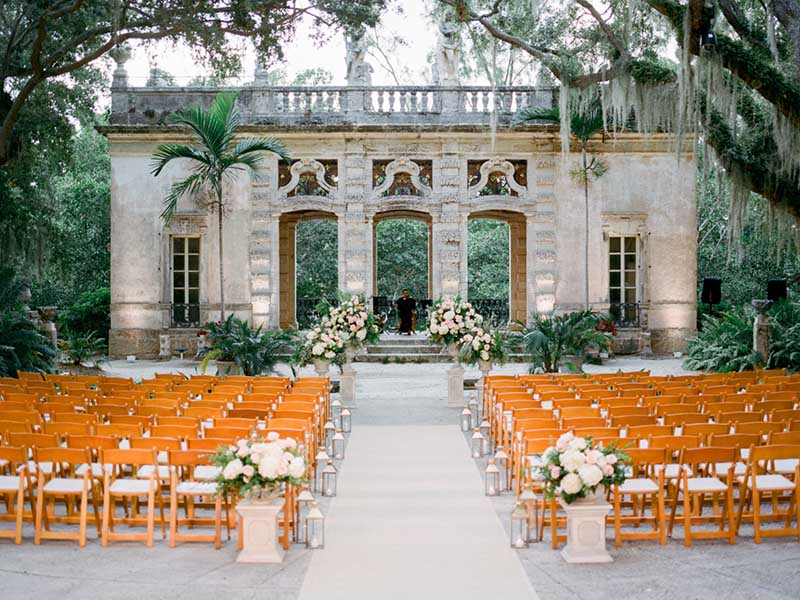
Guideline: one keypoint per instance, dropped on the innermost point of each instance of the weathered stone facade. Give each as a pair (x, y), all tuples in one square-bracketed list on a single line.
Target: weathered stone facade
[(457, 157)]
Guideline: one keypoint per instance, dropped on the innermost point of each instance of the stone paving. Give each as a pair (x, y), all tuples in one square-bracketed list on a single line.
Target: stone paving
[(399, 395)]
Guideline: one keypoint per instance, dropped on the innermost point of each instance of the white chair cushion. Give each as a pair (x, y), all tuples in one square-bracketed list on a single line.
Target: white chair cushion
[(145, 471), (130, 486), (207, 472), (47, 467), (706, 484), (97, 470), (672, 470), (722, 468), (64, 485), (770, 482), (638, 486), (10, 483), (786, 465), (190, 488)]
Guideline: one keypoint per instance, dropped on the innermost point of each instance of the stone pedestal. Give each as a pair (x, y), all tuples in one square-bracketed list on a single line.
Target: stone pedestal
[(455, 386), (347, 385), (164, 347), (761, 336), (586, 531), (260, 531)]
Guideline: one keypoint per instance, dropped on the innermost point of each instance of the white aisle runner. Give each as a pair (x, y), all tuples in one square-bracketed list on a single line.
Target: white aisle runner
[(411, 523)]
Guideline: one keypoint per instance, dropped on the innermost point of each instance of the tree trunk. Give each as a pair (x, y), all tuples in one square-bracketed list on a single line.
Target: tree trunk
[(221, 267), (586, 225)]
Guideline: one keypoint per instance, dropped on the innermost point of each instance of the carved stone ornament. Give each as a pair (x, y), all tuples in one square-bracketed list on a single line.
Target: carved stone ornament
[(497, 165), (187, 224), (306, 166), (401, 165)]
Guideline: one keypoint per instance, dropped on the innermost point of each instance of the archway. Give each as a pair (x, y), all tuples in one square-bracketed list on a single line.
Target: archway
[(309, 264), (496, 265), (401, 259)]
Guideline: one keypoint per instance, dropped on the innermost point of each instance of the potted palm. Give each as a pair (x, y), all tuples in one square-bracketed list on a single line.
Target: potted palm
[(561, 341), (237, 348)]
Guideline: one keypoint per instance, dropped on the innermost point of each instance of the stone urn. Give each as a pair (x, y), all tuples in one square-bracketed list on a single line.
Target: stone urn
[(322, 367), (259, 514), (47, 325), (586, 528)]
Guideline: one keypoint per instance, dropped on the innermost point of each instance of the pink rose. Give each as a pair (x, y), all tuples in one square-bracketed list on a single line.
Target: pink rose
[(611, 459), (608, 470), (555, 472), (593, 456), (248, 471)]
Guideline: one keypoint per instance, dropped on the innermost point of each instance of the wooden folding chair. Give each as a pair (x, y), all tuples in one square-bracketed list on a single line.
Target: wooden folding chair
[(117, 487), (184, 484), (65, 484), (15, 488), (646, 483), (229, 433), (699, 478), (760, 479)]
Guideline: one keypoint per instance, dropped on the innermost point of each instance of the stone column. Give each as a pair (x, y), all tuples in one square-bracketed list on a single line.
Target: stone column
[(541, 252), (761, 329), (355, 228), (265, 249)]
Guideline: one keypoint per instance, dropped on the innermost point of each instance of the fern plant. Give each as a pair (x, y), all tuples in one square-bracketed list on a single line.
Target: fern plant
[(725, 343), (548, 338)]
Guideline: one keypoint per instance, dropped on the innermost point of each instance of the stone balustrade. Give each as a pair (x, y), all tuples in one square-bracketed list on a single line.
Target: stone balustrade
[(360, 106)]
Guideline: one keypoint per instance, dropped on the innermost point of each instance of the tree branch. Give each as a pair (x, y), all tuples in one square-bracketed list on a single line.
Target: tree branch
[(612, 37)]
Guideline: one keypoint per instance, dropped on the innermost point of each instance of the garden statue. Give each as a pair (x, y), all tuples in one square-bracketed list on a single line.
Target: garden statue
[(447, 56), (359, 72)]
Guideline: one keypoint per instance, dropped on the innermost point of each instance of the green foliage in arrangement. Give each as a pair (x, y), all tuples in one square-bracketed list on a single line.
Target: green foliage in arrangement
[(725, 342), (79, 348), (549, 338), (22, 347), (255, 352)]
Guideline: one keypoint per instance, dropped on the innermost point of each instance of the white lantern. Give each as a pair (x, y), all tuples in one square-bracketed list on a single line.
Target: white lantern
[(492, 479), (338, 445), (336, 412), (475, 409), (329, 429), (315, 528), (322, 459), (531, 503), (477, 443), (329, 474), (501, 460), (304, 501), (487, 438), (466, 419), (347, 420), (520, 528)]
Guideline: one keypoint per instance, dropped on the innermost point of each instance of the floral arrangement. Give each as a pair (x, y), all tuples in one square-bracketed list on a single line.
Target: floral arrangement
[(349, 325), (606, 324), (257, 467), (451, 320), (484, 345), (575, 468)]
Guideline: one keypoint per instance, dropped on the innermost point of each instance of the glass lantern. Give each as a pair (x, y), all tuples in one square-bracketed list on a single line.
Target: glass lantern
[(347, 420), (336, 412), (329, 480), (477, 443), (475, 409), (520, 527), (492, 479), (315, 528), (486, 433), (531, 503), (322, 459), (501, 460), (304, 501), (329, 429), (337, 443), (466, 419)]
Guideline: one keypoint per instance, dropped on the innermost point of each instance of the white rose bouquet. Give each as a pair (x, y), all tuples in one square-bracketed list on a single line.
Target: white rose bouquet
[(356, 323), (484, 345), (258, 467), (574, 468), (451, 320)]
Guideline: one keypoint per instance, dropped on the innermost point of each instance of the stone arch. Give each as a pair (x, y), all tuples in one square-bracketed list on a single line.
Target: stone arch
[(402, 213), (517, 280), (287, 262), (497, 165), (402, 165), (301, 167)]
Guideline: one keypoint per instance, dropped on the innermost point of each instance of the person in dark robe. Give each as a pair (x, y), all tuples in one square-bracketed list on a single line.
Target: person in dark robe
[(406, 306)]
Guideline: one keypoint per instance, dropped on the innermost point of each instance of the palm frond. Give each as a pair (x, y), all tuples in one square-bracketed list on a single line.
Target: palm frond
[(191, 184), (169, 152), (531, 114), (259, 146), (208, 127)]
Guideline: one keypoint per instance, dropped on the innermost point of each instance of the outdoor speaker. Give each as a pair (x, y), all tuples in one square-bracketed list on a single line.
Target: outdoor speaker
[(712, 290), (776, 289)]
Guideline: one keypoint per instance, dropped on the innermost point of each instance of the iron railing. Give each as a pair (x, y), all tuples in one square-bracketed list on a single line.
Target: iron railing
[(185, 315), (494, 311), (626, 315), (384, 307), (306, 310)]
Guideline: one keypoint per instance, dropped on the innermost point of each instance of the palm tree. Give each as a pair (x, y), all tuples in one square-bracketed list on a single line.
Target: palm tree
[(217, 157), (583, 126)]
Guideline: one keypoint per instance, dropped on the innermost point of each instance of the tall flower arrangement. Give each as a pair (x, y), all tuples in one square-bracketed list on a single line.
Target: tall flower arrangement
[(253, 468), (575, 468), (451, 320), (484, 345)]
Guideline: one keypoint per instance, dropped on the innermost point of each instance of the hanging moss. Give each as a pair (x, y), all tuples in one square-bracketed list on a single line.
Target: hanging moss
[(652, 72)]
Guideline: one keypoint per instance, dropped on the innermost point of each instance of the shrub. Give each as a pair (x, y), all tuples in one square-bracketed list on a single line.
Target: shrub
[(91, 313), (548, 338), (78, 348)]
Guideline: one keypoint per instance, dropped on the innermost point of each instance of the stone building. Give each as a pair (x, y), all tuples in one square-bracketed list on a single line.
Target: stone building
[(443, 155)]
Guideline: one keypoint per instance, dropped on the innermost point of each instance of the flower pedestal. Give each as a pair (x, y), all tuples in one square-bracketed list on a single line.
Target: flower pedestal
[(322, 367), (455, 379), (347, 383), (485, 367), (586, 530), (260, 531)]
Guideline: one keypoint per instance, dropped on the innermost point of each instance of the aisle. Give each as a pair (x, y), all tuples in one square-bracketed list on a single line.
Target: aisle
[(411, 523)]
